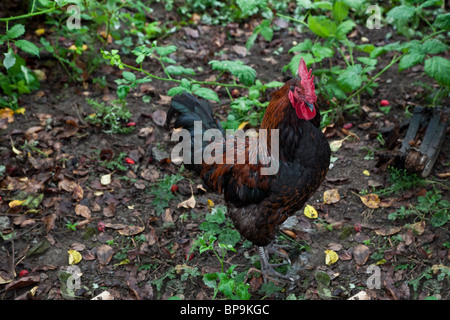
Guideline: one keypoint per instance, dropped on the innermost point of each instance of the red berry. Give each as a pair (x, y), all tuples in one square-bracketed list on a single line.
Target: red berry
[(131, 124), (348, 125), (23, 273), (101, 226), (384, 103), (189, 257), (358, 227), (129, 160), (174, 188)]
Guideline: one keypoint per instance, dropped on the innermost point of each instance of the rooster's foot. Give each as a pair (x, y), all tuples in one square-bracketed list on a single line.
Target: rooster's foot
[(267, 269)]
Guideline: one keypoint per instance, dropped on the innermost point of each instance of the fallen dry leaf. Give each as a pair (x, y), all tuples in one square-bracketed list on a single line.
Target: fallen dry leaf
[(370, 200), (104, 254), (159, 117), (419, 227), (331, 196), (131, 230), (361, 254), (82, 210), (387, 231)]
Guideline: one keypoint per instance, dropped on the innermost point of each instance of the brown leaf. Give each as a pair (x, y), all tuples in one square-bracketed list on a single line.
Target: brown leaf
[(167, 216), (361, 254), (387, 231), (22, 282), (419, 227), (191, 32), (150, 174), (82, 210), (131, 230), (345, 255), (78, 193), (104, 254), (159, 117), (110, 210)]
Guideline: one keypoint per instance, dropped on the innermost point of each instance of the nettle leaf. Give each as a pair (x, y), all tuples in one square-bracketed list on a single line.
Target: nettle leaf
[(411, 59), (350, 79), (340, 10), (237, 68), (435, 67), (247, 6), (177, 90), (266, 30), (433, 46), (442, 21), (16, 31)]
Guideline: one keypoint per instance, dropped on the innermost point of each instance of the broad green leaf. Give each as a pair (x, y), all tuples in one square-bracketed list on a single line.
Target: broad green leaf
[(122, 91), (302, 46), (295, 61), (437, 68), (176, 90), (433, 46), (322, 26), (403, 12), (442, 21), (10, 59), (321, 52), (430, 3), (16, 31), (179, 70), (340, 10), (350, 79), (129, 76), (207, 94), (164, 51), (368, 61), (344, 28), (274, 84), (244, 73), (411, 59), (266, 30), (354, 4), (28, 47), (247, 6)]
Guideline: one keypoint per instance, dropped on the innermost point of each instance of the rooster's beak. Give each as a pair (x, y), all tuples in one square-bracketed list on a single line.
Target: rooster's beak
[(310, 106)]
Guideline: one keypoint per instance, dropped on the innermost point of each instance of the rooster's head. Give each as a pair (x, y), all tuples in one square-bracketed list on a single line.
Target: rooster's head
[(302, 93)]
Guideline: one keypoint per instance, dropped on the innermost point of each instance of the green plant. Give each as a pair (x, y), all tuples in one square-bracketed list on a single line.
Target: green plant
[(216, 224), (162, 192), (110, 116), (431, 207), (71, 226), (229, 283), (401, 180)]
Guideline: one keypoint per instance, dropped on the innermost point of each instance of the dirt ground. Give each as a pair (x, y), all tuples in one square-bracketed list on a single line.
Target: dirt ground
[(69, 179)]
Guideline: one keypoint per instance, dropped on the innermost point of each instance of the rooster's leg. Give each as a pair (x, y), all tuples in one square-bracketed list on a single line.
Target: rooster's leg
[(268, 268)]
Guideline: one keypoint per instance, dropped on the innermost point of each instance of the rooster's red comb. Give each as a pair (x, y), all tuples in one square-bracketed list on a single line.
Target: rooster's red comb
[(307, 81)]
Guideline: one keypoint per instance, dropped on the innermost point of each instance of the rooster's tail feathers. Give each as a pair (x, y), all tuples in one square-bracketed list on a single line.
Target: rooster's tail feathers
[(191, 109)]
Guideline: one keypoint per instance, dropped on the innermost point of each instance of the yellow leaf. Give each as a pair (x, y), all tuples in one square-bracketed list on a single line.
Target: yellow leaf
[(84, 47), (40, 31), (331, 196), (210, 203), (20, 111), (371, 200), (330, 257), (16, 203), (73, 47), (7, 113), (242, 125), (74, 257), (310, 212), (366, 172)]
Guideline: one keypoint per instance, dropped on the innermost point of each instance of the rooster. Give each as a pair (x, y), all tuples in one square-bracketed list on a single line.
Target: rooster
[(259, 203)]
